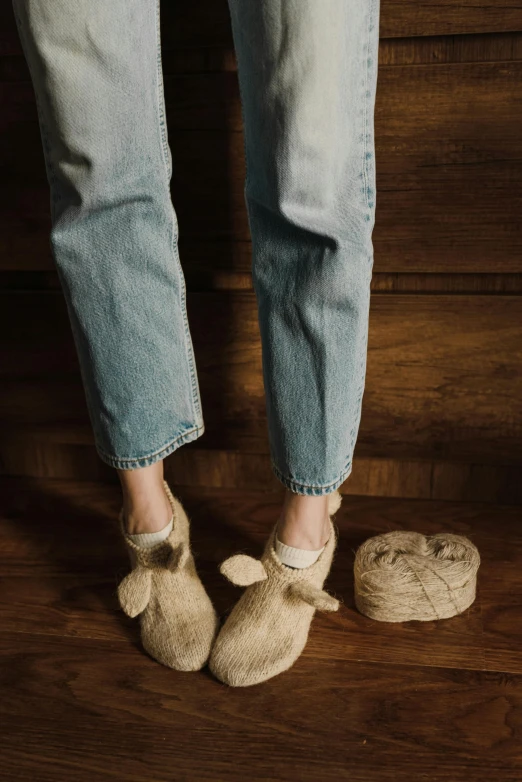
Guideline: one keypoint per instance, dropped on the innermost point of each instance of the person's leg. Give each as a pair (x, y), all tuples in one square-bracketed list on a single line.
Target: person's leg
[(96, 70), (308, 75)]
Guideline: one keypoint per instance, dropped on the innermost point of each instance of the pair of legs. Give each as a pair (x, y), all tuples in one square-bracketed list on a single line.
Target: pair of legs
[(307, 74)]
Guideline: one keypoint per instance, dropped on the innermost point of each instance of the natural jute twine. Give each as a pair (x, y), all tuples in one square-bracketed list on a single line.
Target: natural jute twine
[(402, 576)]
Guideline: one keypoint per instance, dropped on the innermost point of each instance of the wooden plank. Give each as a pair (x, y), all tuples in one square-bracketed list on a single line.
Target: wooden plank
[(106, 713), (445, 374), (400, 18), (392, 283), (443, 378)]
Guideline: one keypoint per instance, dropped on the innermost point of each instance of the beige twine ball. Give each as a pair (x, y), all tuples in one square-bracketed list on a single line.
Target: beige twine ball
[(401, 576)]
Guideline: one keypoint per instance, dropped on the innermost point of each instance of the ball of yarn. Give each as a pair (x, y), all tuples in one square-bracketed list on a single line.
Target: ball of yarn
[(402, 576)]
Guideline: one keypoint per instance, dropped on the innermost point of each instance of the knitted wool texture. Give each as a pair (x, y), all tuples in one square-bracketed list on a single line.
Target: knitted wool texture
[(268, 628), (177, 619)]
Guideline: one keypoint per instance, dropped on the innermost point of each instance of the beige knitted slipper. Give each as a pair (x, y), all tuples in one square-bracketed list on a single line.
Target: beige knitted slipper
[(268, 628), (178, 622)]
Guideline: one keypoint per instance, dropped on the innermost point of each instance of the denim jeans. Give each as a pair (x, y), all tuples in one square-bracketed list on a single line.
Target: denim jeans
[(307, 73)]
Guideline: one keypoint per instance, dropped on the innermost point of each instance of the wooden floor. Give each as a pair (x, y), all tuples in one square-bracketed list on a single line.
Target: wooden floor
[(366, 702)]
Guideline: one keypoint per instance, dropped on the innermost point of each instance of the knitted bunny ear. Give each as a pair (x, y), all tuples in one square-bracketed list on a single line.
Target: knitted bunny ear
[(315, 597), (243, 570), (178, 557), (134, 591)]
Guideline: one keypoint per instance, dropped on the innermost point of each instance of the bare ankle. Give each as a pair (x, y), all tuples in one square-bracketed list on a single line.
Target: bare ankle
[(150, 516), (146, 507), (304, 522)]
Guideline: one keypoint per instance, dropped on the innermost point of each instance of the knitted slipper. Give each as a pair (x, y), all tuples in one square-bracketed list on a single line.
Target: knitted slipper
[(177, 620), (268, 628)]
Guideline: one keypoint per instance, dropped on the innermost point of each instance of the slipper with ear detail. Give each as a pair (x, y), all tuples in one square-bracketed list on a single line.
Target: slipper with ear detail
[(268, 628), (178, 622)]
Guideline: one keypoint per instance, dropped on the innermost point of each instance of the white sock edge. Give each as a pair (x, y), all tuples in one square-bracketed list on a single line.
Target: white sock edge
[(150, 539), (296, 557)]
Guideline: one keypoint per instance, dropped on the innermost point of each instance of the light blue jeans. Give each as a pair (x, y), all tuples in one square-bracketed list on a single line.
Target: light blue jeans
[(307, 77)]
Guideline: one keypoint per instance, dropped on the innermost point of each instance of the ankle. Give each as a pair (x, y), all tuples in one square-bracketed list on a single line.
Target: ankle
[(302, 535), (304, 522), (146, 514)]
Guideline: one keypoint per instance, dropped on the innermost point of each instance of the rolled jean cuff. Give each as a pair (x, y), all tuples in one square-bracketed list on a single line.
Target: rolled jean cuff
[(133, 463), (315, 490)]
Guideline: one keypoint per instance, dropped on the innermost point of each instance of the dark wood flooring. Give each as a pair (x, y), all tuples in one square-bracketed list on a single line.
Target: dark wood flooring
[(367, 701)]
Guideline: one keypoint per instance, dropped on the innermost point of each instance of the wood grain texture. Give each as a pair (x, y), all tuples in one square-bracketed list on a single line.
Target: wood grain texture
[(104, 713), (367, 701)]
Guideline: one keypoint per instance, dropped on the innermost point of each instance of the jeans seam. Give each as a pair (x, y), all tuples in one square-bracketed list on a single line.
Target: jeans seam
[(160, 102), (367, 49), (160, 99), (369, 201), (164, 450)]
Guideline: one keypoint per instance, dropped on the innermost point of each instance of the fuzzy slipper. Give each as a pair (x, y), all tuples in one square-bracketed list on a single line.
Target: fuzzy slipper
[(177, 619), (268, 628)]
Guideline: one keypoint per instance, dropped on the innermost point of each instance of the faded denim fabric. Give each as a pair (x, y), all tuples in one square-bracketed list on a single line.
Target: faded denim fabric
[(307, 75)]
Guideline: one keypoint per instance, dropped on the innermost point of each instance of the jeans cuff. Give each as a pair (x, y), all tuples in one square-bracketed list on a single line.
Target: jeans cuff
[(311, 489), (134, 463)]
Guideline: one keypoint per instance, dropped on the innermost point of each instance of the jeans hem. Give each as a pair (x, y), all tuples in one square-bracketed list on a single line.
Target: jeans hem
[(311, 489), (144, 461)]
